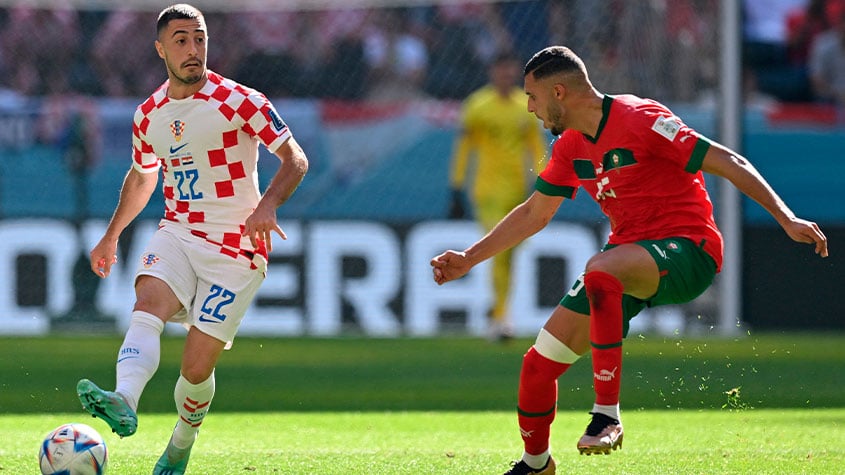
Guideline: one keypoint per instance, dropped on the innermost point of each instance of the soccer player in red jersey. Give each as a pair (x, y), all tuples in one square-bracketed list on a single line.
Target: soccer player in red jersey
[(201, 132), (643, 166)]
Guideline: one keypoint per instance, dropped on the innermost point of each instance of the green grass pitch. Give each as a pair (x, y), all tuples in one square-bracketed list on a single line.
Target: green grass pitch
[(767, 404)]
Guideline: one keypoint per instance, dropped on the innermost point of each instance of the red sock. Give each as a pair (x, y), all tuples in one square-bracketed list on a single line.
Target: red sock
[(537, 399), (605, 294)]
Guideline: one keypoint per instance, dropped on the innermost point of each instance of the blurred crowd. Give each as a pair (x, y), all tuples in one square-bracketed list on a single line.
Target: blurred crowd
[(792, 49)]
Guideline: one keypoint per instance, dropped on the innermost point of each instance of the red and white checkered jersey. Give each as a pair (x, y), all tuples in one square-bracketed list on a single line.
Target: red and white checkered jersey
[(206, 146)]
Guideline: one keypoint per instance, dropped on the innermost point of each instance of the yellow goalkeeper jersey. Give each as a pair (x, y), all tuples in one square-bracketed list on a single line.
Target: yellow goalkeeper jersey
[(504, 139)]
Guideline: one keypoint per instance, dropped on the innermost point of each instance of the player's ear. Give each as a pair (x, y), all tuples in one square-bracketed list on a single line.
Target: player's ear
[(559, 91), (159, 49)]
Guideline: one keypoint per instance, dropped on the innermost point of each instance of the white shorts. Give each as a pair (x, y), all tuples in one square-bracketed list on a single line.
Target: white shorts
[(215, 289)]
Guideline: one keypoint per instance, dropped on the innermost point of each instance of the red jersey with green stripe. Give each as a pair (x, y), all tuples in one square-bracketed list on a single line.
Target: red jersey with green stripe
[(643, 168)]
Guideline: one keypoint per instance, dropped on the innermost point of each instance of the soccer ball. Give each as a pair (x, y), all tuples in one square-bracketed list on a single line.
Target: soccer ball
[(73, 449)]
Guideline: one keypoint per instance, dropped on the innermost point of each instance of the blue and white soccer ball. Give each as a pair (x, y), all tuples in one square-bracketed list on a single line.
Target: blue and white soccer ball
[(73, 449)]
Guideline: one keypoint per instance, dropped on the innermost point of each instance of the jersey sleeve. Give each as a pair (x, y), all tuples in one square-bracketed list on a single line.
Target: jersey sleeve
[(144, 158), (559, 178), (263, 122), (669, 137)]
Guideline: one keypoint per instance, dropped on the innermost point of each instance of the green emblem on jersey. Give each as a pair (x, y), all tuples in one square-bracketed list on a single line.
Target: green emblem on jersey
[(617, 158)]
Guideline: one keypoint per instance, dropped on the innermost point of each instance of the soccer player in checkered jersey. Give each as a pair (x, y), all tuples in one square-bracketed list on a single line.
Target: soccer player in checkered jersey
[(202, 267), (643, 166)]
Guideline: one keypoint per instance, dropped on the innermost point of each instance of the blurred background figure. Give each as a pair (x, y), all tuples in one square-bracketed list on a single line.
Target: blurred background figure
[(505, 145), (271, 40), (396, 55), (765, 49), (121, 73), (43, 43), (827, 63)]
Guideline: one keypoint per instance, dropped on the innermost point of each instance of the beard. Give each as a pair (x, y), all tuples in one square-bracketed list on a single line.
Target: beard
[(189, 79), (556, 120)]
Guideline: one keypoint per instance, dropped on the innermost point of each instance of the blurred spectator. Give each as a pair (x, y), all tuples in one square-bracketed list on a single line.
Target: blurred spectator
[(459, 43), (827, 64), (271, 40), (802, 27), (691, 26), (805, 24), (40, 46), (227, 51), (315, 53), (341, 45), (525, 33), (766, 50), (396, 56), (125, 69)]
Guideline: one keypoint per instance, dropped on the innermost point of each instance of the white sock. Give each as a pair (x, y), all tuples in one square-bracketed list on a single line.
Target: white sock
[(139, 356), (536, 461), (192, 403), (610, 411)]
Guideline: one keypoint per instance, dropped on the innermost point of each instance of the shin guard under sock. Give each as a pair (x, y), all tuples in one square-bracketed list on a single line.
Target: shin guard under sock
[(139, 356), (192, 403), (537, 401), (605, 294)]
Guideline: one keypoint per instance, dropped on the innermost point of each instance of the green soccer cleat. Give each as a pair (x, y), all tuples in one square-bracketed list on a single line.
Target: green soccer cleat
[(108, 406), (174, 461), (522, 468)]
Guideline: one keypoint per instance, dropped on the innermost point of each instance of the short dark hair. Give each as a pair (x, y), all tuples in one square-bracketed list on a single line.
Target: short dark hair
[(553, 60), (180, 11)]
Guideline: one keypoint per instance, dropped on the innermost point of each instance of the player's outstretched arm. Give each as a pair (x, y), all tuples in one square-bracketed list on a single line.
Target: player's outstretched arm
[(262, 222), (728, 164), (134, 195), (523, 221)]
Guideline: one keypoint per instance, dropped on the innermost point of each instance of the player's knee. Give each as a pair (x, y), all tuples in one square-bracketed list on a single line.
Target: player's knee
[(598, 263), (196, 372)]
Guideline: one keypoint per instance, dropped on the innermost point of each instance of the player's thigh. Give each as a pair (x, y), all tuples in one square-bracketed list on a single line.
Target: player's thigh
[(632, 264), (686, 270), (165, 265), (225, 290)]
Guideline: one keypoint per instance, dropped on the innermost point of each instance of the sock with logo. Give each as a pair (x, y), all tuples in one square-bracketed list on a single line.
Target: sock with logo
[(605, 294), (537, 400), (192, 403), (139, 356)]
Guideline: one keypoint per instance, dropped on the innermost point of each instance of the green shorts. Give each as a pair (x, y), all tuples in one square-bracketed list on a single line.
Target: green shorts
[(686, 271)]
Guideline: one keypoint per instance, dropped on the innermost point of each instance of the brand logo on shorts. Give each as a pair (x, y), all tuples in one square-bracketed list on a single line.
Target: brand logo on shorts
[(209, 319), (149, 260), (673, 246), (605, 375)]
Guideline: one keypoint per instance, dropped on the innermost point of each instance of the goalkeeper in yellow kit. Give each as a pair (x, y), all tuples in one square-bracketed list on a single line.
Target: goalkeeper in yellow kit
[(505, 144)]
